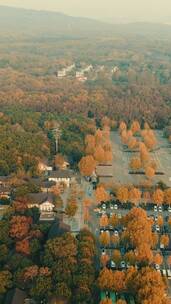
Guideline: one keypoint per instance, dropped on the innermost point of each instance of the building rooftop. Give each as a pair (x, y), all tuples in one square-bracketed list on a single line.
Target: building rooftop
[(61, 174), (41, 197)]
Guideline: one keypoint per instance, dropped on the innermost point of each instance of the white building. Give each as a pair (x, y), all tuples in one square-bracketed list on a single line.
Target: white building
[(61, 176), (62, 73), (79, 74)]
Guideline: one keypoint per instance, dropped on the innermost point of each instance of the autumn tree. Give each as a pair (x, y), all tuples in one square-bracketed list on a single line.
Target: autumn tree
[(101, 194), (134, 195), (135, 126), (149, 286), (167, 196), (104, 259), (5, 281), (99, 154), (135, 163), (158, 197), (19, 226), (105, 279), (121, 302), (122, 194), (71, 207), (23, 247), (149, 172), (104, 221), (113, 220), (122, 126), (132, 143), (158, 259), (87, 165), (118, 281), (144, 254), (59, 161), (104, 239), (106, 301), (116, 256), (164, 240)]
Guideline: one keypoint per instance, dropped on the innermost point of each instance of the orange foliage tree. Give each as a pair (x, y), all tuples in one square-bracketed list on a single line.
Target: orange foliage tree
[(135, 126), (149, 172), (105, 239), (167, 196), (104, 221), (164, 240), (99, 154), (19, 226), (135, 163), (101, 194), (87, 165), (104, 259), (158, 259), (134, 195), (122, 194), (23, 247), (158, 197)]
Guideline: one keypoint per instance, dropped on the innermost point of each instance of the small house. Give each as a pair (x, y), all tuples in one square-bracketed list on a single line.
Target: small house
[(43, 201)]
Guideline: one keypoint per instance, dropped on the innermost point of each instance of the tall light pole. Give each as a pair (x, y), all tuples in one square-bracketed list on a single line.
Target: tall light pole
[(57, 134)]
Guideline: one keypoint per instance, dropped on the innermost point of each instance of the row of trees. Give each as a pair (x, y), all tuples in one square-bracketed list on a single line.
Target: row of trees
[(97, 148), (134, 195)]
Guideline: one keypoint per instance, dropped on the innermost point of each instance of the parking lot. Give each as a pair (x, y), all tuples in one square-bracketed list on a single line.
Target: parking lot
[(120, 210), (121, 159)]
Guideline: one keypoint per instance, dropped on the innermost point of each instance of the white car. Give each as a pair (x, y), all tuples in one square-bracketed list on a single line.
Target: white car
[(155, 208), (157, 266), (155, 218), (111, 207), (116, 233), (104, 206), (102, 230), (103, 252), (157, 228), (123, 264), (169, 209), (160, 209), (103, 212), (115, 206), (112, 264)]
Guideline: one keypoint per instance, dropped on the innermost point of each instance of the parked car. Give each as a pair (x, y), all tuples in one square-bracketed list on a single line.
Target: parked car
[(157, 266), (104, 206), (115, 206), (169, 209), (112, 265), (123, 264), (116, 233), (155, 208), (103, 251), (111, 207), (157, 228), (160, 209)]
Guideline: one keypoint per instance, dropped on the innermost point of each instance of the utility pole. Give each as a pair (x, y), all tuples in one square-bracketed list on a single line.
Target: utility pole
[(57, 134)]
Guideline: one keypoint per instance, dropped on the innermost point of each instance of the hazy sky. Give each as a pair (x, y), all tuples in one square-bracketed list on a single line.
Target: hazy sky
[(103, 9)]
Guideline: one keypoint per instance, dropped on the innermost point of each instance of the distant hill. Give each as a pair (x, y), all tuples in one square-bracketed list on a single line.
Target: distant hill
[(42, 23)]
